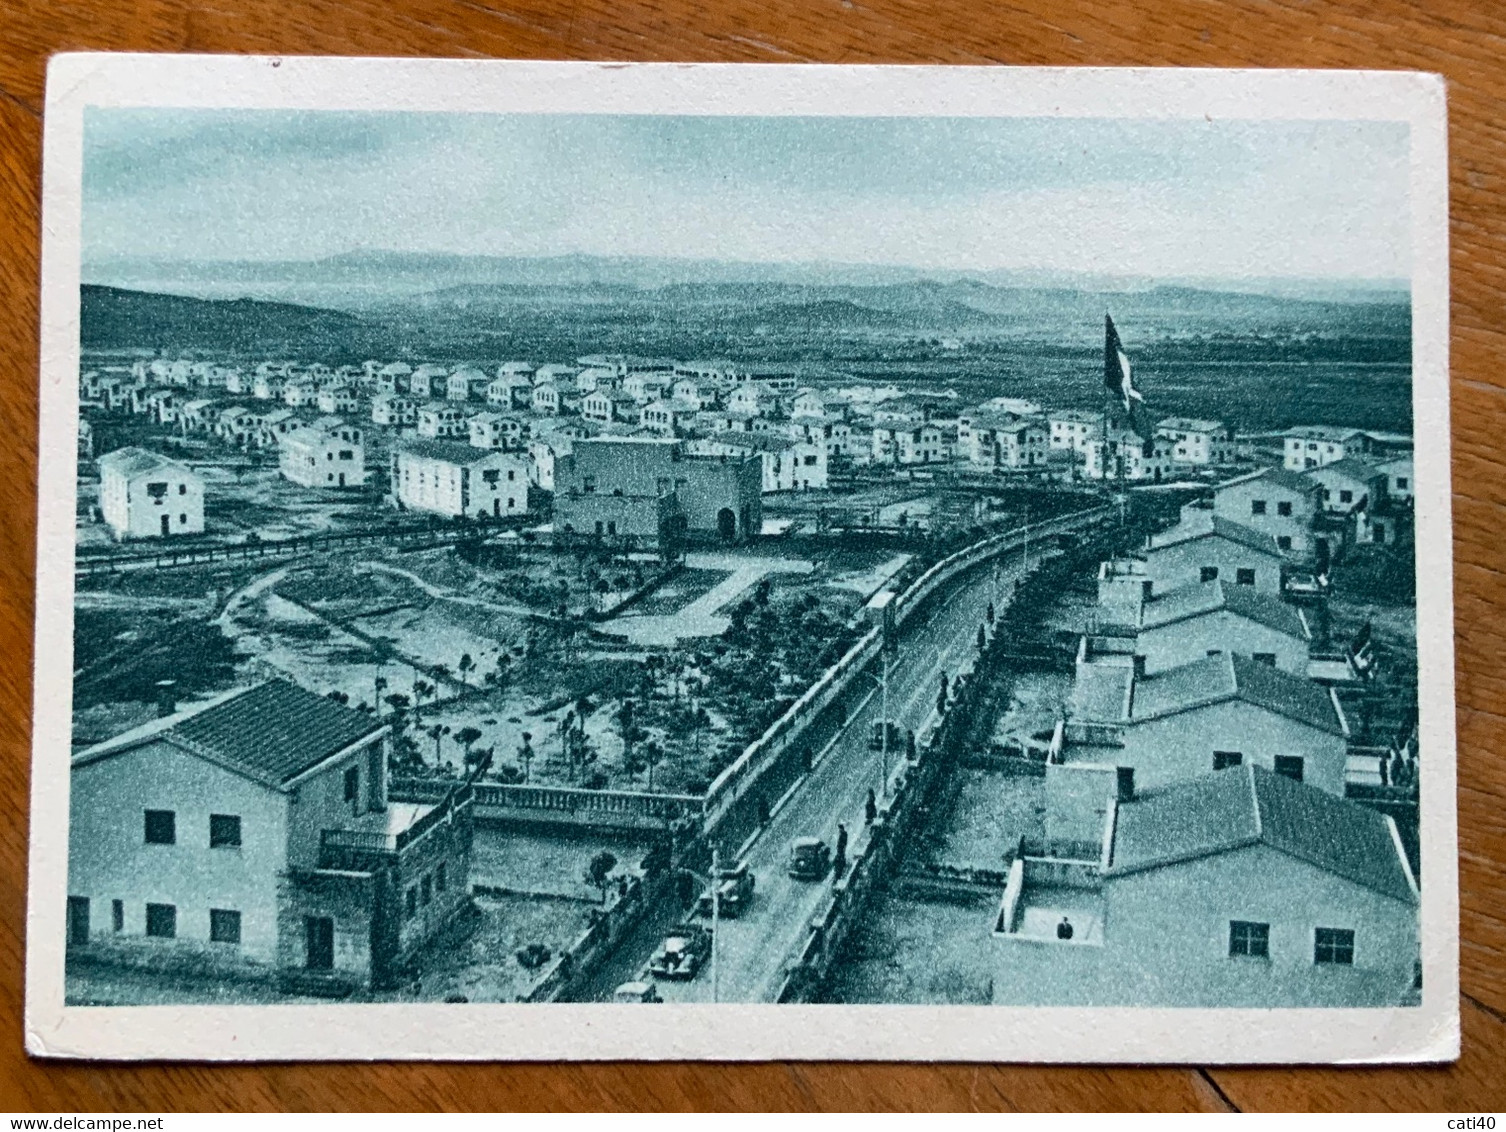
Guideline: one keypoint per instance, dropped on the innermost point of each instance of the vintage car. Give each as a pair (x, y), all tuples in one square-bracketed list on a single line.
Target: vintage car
[(876, 738), (734, 890), (636, 992), (682, 953), (810, 858)]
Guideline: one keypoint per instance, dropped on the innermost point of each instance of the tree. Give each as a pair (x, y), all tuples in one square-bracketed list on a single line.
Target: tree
[(990, 613), (599, 872), (422, 690), (338, 696), (652, 753), (467, 737), (466, 666), (982, 638), (627, 726), (397, 701), (437, 732)]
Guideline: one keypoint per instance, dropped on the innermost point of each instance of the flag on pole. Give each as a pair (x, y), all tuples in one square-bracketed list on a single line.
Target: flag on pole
[(1116, 368), (1362, 652)]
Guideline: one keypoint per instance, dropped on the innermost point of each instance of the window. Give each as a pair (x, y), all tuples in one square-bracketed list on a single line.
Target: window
[(439, 878), (1208, 574), (224, 831), (1223, 760), (182, 489), (1266, 658), (425, 890), (1346, 497), (1284, 541), (410, 903), (224, 926), (1257, 507), (1215, 652), (161, 827), (117, 915), (1401, 483), (352, 783), (1249, 939), (1378, 532), (1284, 508), (1244, 576), (1334, 945), (162, 920), (182, 520), (347, 454), (1290, 766)]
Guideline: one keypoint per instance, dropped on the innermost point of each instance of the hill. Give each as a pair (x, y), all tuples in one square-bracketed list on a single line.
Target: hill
[(114, 318)]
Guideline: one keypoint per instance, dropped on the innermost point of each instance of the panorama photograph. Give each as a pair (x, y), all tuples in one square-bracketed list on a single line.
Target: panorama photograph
[(529, 558)]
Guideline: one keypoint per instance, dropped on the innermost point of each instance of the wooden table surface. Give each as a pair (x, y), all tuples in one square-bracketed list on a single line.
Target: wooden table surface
[(1461, 38)]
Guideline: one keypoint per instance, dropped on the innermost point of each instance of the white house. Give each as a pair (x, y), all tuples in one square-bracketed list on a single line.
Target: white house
[(253, 834), (1205, 547), (465, 384), (510, 390), (667, 418), (144, 495), (448, 478), (1312, 446), (1399, 481), (439, 421), (1218, 711), (1202, 442), (493, 430), (787, 464), (1073, 429), (393, 410), (428, 381), (1241, 889), (546, 399), (338, 399), (1274, 501), (327, 453)]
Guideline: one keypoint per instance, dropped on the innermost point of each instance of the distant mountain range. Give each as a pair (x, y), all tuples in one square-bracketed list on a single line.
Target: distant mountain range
[(363, 279)]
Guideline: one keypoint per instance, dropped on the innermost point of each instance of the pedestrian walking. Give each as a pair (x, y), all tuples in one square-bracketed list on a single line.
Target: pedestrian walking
[(840, 866), (870, 808)]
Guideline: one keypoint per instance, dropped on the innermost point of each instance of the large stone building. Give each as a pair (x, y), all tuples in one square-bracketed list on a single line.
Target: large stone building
[(327, 453), (639, 490)]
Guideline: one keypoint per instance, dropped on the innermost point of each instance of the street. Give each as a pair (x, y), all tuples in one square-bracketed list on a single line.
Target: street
[(754, 947)]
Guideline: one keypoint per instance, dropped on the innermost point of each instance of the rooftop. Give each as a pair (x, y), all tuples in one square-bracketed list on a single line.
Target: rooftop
[(134, 461), (1281, 477), (1228, 676), (456, 452), (1191, 424), (1322, 432), (1206, 524), (271, 733), (1356, 470), (1249, 805), (1207, 597)]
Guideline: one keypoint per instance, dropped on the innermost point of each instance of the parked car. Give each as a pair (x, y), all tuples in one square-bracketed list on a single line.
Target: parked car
[(810, 858), (636, 992), (682, 953), (734, 889), (896, 737), (1306, 585)]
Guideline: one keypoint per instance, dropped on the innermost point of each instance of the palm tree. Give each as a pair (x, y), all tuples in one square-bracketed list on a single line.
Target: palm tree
[(466, 665), (466, 737), (437, 732), (422, 690)]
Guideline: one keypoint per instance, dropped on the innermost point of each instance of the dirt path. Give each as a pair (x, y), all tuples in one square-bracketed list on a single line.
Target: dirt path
[(440, 593)]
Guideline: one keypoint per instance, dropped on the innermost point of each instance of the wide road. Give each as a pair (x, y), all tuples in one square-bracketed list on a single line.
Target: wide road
[(754, 948)]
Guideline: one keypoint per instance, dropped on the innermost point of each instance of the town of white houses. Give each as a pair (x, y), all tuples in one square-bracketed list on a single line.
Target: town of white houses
[(466, 629)]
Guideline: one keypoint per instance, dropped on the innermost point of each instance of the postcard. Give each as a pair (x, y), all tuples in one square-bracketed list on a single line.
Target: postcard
[(572, 561)]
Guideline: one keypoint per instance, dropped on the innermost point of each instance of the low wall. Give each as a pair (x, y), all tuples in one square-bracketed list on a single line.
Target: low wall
[(559, 805), (740, 778)]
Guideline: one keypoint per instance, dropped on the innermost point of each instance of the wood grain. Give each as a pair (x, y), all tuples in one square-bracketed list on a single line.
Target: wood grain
[(1458, 38)]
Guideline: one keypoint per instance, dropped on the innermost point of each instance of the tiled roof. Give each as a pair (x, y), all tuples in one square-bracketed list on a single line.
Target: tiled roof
[(1281, 477), (274, 732), (137, 461), (1224, 676), (1207, 597), (1100, 692), (1206, 524), (270, 733), (450, 451), (1356, 470), (1248, 805)]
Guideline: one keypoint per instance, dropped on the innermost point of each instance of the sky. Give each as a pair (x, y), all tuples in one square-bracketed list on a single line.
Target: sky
[(1158, 198)]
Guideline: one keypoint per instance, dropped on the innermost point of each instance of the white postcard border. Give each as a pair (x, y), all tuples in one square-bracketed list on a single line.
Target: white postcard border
[(531, 1032)]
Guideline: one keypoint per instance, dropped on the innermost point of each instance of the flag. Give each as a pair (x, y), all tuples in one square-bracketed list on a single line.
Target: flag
[(1362, 652), (1116, 367)]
